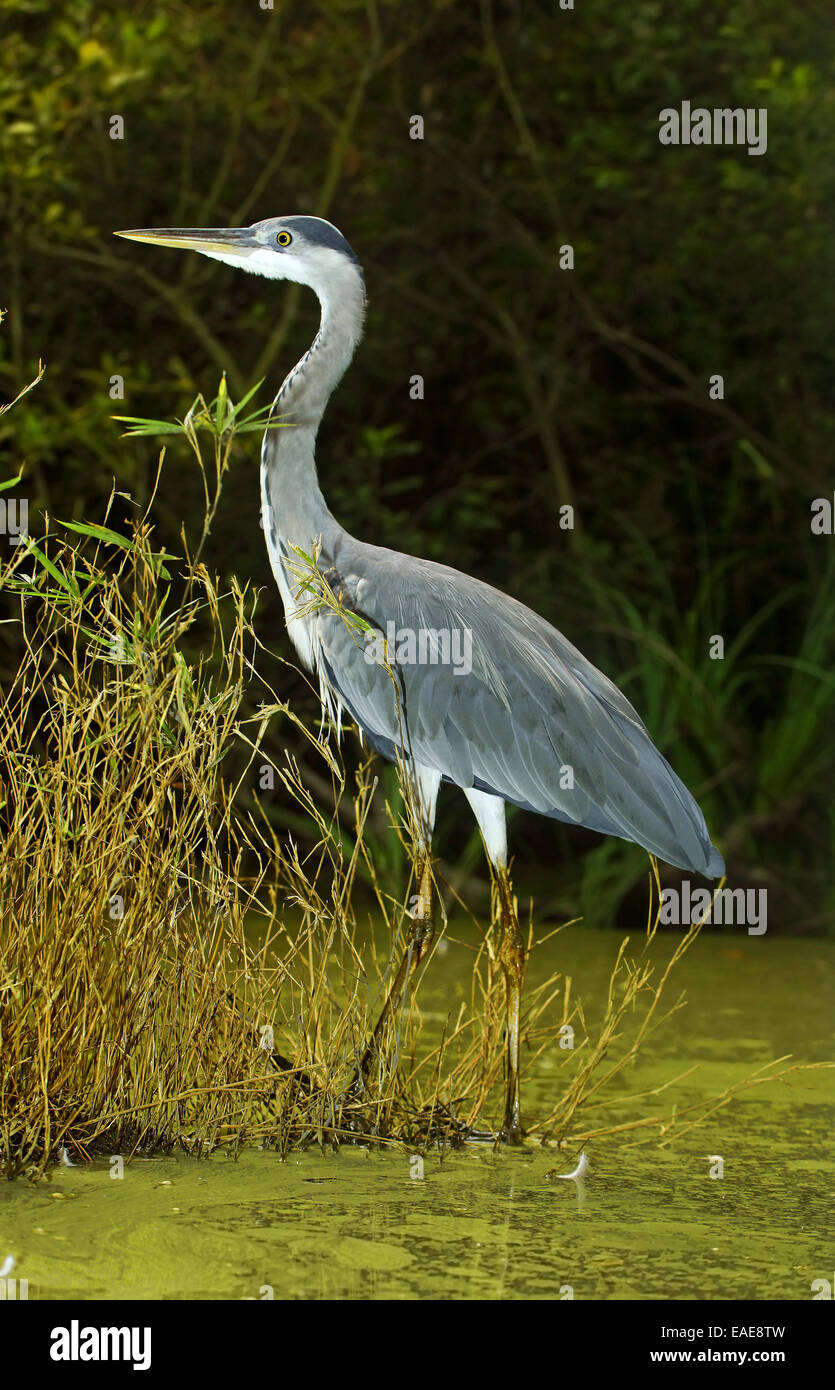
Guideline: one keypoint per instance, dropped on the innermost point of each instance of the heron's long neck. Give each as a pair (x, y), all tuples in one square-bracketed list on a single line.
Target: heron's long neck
[(293, 508)]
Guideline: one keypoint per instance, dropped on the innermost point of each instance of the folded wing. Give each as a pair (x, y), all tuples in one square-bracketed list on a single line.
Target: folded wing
[(492, 696)]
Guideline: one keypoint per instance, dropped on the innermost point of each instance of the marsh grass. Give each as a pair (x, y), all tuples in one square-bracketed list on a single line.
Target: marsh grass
[(173, 972)]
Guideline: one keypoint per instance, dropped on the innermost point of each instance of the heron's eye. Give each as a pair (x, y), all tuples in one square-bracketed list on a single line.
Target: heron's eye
[(284, 238)]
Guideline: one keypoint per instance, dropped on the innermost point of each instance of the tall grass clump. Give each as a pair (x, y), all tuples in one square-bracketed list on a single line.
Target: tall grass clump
[(174, 970)]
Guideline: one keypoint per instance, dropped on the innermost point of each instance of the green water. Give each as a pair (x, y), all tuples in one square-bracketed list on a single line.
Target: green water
[(647, 1222)]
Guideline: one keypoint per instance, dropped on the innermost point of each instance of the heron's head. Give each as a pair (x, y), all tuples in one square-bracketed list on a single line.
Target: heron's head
[(308, 250)]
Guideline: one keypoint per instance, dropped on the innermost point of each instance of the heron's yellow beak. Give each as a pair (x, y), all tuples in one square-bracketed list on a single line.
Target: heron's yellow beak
[(228, 240)]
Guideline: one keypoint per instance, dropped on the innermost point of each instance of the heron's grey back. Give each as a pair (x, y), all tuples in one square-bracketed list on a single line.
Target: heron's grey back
[(533, 721)]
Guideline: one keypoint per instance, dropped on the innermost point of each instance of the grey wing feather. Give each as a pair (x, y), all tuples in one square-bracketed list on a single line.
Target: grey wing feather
[(532, 722)]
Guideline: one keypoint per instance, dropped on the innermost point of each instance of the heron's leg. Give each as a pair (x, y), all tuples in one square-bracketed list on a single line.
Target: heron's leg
[(512, 961), (420, 934), (421, 929), (489, 811)]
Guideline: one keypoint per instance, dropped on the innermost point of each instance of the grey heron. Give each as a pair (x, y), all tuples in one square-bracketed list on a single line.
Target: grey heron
[(525, 719)]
